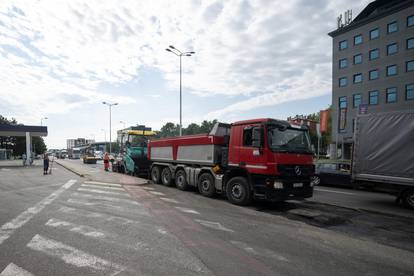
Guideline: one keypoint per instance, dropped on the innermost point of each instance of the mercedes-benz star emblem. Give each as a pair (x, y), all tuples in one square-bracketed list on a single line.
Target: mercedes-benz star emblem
[(297, 170)]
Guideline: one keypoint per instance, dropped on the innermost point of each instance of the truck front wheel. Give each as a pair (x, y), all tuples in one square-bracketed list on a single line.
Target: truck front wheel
[(180, 180), (206, 185), (408, 198), (238, 191), (166, 176), (156, 175)]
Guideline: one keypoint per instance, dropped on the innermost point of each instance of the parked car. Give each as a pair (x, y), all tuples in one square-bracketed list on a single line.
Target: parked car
[(333, 173)]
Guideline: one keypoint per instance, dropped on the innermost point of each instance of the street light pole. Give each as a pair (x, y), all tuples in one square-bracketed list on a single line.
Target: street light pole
[(110, 124), (41, 120), (178, 53)]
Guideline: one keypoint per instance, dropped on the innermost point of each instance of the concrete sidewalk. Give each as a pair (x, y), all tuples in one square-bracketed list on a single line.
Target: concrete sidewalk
[(95, 172)]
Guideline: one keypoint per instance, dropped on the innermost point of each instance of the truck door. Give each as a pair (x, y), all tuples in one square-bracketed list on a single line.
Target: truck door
[(252, 154)]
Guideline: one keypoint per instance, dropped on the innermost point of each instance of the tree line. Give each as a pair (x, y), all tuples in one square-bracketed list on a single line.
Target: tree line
[(18, 144), (172, 130)]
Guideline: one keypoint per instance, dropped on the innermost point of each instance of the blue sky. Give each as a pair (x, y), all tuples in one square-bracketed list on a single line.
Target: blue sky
[(61, 59)]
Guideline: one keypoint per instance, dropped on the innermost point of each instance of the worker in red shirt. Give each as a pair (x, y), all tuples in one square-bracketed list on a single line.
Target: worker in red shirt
[(106, 161)]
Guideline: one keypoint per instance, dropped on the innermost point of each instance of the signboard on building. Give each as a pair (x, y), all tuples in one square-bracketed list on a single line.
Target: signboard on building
[(323, 120), (342, 118), (363, 109)]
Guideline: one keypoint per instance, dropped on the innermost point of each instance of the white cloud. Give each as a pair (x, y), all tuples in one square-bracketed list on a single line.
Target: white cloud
[(57, 53)]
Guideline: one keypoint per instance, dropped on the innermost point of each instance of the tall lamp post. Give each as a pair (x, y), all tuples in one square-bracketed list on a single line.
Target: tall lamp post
[(110, 123), (178, 53), (41, 120)]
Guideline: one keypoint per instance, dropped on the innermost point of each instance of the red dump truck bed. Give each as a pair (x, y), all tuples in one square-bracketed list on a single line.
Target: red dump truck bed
[(201, 149)]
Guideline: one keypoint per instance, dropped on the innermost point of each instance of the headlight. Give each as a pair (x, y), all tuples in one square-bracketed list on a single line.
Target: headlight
[(278, 185)]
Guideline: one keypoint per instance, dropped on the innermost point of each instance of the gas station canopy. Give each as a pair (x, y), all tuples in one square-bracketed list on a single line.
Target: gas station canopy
[(21, 130)]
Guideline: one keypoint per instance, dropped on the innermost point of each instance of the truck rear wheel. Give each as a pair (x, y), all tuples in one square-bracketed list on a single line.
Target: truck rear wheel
[(238, 191), (166, 176), (180, 180), (206, 185), (408, 198), (156, 175)]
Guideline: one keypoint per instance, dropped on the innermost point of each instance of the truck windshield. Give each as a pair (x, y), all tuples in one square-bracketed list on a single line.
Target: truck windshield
[(137, 141), (289, 140)]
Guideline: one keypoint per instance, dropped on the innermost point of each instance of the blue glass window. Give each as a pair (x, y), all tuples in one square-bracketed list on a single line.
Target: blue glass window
[(343, 63), (392, 70), (343, 45), (357, 39), (342, 102), (391, 95), (392, 27), (374, 54), (409, 66), (343, 82), (373, 97), (374, 33), (357, 78), (410, 21), (358, 59), (392, 48), (373, 74), (410, 43), (409, 91), (357, 100)]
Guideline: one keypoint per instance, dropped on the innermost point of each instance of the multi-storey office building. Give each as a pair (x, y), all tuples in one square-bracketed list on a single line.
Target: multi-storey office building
[(372, 67)]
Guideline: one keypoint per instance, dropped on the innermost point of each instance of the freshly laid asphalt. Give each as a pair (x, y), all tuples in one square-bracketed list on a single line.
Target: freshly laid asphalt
[(111, 224)]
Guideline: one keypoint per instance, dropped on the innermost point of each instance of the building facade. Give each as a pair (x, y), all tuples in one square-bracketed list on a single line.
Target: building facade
[(372, 67), (73, 143)]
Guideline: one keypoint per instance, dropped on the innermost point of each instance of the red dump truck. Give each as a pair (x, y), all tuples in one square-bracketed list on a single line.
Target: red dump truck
[(262, 158)]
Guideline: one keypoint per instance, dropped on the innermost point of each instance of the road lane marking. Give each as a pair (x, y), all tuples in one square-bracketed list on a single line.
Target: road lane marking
[(187, 210), (169, 200), (73, 256), (107, 198), (103, 183), (102, 192), (213, 225), (148, 188), (14, 270), (87, 203), (80, 229), (262, 252), (8, 229), (89, 214), (102, 187), (156, 193), (330, 191)]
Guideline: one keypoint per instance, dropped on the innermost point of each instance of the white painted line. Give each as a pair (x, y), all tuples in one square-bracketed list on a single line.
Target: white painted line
[(80, 229), (14, 270), (107, 198), (156, 193), (213, 225), (7, 229), (186, 210), (102, 187), (5, 170), (101, 192), (89, 214), (330, 191), (103, 183), (100, 204), (169, 199), (73, 256), (148, 188)]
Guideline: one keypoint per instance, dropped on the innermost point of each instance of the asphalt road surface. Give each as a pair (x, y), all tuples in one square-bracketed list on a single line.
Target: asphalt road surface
[(62, 224)]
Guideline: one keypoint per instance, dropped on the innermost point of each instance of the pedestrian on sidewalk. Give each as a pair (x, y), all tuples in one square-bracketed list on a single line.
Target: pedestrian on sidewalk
[(106, 161), (45, 164)]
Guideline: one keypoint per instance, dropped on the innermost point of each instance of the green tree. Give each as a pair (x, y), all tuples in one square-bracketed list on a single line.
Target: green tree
[(192, 128), (169, 130)]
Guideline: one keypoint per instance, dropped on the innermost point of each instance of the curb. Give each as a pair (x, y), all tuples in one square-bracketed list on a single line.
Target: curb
[(70, 169)]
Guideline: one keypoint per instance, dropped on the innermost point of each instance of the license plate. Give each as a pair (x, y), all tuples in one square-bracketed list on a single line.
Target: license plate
[(297, 185)]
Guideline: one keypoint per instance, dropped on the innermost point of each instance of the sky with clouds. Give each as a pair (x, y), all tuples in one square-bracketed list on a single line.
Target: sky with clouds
[(61, 59)]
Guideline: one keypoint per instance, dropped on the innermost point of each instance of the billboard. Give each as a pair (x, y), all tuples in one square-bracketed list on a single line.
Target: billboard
[(323, 120)]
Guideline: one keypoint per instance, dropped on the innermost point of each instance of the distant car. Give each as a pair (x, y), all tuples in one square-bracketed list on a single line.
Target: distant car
[(333, 173)]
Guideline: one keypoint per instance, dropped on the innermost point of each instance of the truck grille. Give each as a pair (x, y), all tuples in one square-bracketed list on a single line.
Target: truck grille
[(296, 171)]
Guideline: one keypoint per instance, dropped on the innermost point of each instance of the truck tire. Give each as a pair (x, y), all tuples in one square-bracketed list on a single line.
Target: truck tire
[(166, 176), (238, 191), (408, 198), (156, 175), (206, 185), (181, 180)]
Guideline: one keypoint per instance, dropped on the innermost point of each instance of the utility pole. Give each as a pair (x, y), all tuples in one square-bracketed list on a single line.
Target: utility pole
[(110, 124)]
